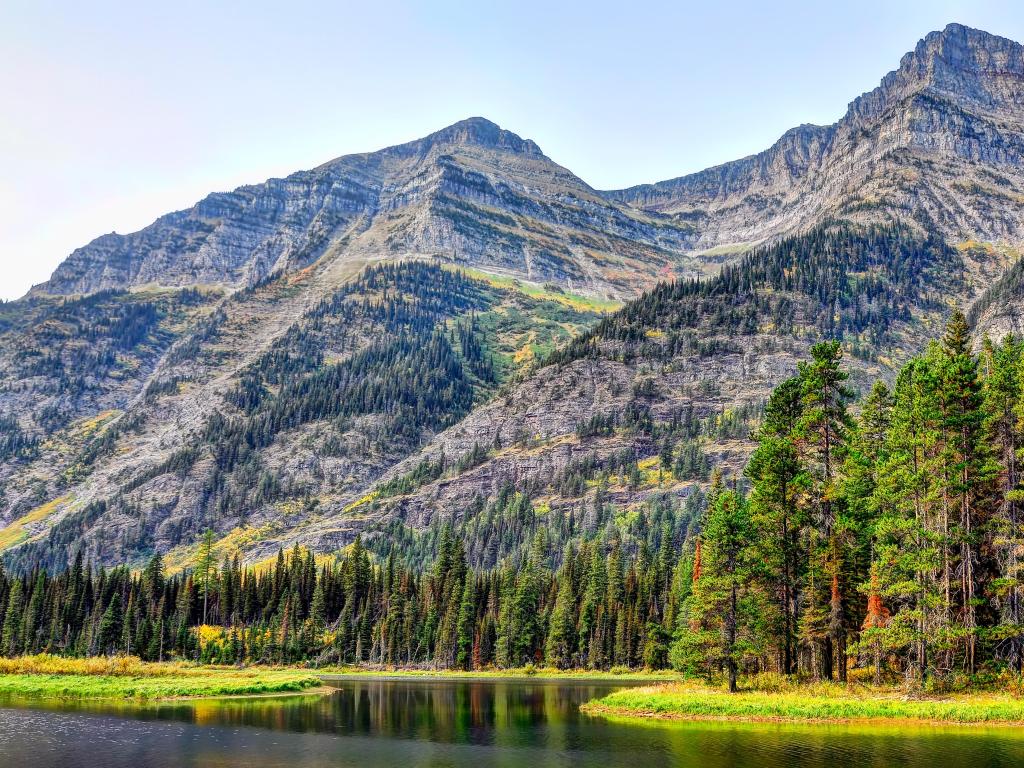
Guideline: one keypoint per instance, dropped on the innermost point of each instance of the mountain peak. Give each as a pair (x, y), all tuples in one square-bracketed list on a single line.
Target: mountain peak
[(966, 50), (960, 63), (473, 131)]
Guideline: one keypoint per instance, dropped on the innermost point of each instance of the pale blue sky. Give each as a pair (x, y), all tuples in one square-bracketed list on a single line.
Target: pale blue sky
[(112, 113)]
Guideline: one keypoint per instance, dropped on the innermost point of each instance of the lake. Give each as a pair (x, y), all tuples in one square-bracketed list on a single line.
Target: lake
[(458, 724)]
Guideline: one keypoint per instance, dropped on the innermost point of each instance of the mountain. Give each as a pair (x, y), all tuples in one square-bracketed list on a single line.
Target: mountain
[(471, 194), (431, 334), (939, 143)]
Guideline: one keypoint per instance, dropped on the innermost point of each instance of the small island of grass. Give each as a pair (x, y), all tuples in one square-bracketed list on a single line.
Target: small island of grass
[(125, 677), (809, 702)]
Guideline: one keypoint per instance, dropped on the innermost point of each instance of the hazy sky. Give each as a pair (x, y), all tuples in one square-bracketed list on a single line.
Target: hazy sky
[(112, 113)]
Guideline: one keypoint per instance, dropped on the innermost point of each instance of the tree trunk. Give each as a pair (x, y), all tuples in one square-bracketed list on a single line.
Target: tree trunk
[(731, 640)]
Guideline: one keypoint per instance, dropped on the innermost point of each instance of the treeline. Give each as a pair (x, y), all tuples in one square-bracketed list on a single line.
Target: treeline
[(601, 608), (891, 540), (885, 539)]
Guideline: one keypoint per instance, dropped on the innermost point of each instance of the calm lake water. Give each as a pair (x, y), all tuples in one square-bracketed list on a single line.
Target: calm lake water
[(460, 724)]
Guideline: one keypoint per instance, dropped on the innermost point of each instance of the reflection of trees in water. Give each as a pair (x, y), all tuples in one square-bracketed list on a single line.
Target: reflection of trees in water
[(509, 723), (498, 712), (473, 712)]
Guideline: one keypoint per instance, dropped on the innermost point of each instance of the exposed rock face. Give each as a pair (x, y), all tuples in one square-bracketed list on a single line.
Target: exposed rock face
[(537, 425), (472, 193), (939, 142)]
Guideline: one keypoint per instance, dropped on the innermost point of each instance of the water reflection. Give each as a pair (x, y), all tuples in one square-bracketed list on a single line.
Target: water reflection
[(371, 723)]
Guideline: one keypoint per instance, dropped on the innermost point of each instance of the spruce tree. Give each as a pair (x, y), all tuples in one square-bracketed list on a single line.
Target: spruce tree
[(723, 612), (10, 639), (561, 640), (969, 470)]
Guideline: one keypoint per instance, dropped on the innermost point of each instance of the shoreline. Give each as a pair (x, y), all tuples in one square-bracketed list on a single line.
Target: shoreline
[(626, 713), (513, 675), (46, 677), (811, 705), (53, 678), (316, 690)]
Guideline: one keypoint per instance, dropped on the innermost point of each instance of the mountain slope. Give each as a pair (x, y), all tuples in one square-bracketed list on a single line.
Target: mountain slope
[(631, 415), (939, 143), (471, 194), (257, 432), (420, 336)]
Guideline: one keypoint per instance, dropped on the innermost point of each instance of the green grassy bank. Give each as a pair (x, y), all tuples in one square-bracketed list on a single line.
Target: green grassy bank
[(809, 703), (52, 677)]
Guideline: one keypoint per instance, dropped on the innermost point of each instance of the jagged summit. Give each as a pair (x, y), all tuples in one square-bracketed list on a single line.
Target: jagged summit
[(969, 66), (478, 131), (473, 132), (930, 145)]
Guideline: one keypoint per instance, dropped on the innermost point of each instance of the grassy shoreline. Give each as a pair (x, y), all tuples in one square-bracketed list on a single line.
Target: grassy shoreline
[(120, 677), (663, 695), (539, 674), (821, 703), (51, 677)]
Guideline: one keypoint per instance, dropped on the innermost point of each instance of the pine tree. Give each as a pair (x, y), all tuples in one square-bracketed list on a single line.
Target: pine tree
[(1004, 406), (11, 640), (969, 468), (779, 477), (824, 426), (466, 624), (721, 626), (206, 567), (561, 635), (111, 626)]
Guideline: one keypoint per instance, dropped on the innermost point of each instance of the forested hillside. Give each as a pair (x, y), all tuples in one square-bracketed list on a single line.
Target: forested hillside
[(353, 385), (879, 537), (457, 333), (634, 413)]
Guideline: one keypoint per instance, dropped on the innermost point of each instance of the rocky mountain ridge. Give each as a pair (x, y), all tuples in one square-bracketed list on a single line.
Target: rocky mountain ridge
[(470, 194), (932, 144)]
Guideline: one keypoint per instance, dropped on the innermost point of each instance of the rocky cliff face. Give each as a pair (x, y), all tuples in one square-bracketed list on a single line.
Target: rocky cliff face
[(472, 194), (939, 142)]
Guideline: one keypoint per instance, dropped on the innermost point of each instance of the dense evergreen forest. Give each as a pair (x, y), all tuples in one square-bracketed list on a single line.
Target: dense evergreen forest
[(882, 539), (836, 281)]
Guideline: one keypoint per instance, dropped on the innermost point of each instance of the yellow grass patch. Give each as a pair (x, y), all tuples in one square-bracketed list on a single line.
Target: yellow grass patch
[(17, 532)]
